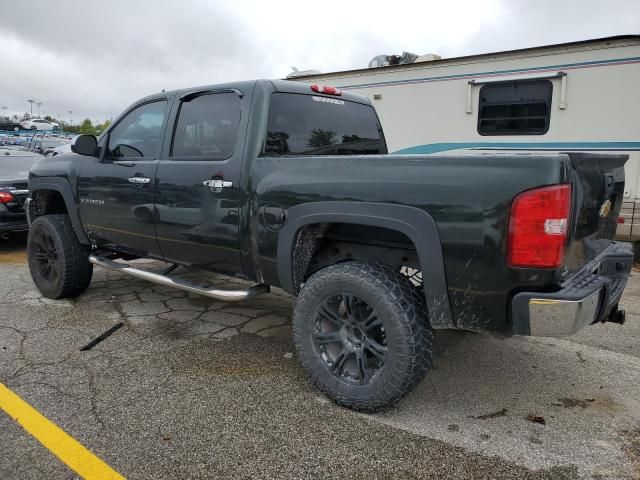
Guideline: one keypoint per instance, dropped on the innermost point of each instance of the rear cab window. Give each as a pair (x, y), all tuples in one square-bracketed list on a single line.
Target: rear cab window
[(302, 124)]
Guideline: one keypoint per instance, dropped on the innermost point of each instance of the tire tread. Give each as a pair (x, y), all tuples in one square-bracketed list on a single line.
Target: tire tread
[(410, 311), (77, 270)]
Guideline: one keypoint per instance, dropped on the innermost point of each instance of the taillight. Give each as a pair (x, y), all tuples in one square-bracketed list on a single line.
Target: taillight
[(6, 197), (621, 220), (538, 227), (326, 90)]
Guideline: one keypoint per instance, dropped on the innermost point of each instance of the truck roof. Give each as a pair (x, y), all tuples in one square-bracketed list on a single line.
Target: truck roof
[(286, 86)]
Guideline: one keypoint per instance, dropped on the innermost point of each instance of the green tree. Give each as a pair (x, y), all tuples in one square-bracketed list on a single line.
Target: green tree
[(72, 128), (102, 126), (87, 128), (320, 137)]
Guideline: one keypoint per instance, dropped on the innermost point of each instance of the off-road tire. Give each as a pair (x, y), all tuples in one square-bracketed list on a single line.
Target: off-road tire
[(402, 309), (69, 258)]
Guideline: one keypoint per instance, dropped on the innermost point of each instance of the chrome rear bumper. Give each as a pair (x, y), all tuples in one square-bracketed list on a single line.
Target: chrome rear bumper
[(589, 296), (551, 318)]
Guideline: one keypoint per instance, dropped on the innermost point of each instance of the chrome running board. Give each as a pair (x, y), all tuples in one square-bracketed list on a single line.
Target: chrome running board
[(181, 284)]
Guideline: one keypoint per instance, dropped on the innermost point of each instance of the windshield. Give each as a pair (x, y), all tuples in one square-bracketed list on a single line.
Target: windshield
[(16, 167), (316, 125)]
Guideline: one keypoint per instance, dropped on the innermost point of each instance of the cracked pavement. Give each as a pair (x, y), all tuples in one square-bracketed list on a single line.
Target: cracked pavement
[(194, 388)]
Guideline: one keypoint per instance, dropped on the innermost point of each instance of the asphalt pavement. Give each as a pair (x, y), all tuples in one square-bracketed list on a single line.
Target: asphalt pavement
[(193, 388)]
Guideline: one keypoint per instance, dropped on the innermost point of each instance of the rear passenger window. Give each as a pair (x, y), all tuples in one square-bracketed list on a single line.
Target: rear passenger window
[(207, 127), (515, 108)]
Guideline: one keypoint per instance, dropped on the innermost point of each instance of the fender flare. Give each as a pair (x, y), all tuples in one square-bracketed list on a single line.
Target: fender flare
[(63, 187), (416, 224)]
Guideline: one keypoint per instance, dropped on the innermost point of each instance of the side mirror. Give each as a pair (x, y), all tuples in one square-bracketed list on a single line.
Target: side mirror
[(85, 145)]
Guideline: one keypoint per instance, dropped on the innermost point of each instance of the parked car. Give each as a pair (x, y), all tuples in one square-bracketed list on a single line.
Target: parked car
[(65, 148), (8, 124), (505, 242), (46, 146), (39, 124), (8, 138), (14, 172)]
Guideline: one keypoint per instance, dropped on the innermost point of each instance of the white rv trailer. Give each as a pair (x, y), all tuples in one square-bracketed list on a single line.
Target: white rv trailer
[(580, 96)]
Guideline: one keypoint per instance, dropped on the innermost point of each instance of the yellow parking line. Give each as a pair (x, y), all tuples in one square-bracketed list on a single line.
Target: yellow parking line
[(60, 443)]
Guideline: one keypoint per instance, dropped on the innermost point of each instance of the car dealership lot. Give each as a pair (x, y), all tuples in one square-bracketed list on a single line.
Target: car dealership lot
[(190, 387)]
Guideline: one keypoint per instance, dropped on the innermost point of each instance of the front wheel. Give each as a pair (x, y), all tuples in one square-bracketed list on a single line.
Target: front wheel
[(58, 262), (361, 332)]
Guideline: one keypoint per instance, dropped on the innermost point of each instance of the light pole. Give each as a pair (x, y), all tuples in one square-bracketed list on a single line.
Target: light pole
[(70, 112), (39, 104), (4, 112), (31, 106)]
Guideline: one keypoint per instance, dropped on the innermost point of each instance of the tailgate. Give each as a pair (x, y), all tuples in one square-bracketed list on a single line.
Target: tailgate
[(598, 188)]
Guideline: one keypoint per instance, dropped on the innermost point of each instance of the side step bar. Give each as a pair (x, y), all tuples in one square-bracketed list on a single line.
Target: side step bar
[(217, 294)]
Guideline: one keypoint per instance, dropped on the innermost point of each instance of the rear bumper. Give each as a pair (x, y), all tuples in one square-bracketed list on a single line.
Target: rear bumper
[(19, 226), (589, 296)]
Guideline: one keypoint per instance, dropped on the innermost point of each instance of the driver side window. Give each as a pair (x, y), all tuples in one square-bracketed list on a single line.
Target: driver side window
[(137, 135)]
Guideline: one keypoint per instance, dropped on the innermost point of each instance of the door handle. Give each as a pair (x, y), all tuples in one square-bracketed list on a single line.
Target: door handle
[(217, 185), (139, 180)]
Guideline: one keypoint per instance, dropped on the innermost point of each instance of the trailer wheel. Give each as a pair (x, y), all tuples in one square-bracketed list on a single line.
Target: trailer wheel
[(361, 332), (58, 262)]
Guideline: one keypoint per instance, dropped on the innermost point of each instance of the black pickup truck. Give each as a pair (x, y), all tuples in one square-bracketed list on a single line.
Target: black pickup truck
[(290, 185)]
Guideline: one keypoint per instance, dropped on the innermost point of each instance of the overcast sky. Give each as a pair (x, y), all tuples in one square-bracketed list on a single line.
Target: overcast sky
[(95, 58)]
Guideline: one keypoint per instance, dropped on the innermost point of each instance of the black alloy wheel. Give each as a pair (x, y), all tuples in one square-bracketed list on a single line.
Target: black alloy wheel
[(350, 338), (46, 256)]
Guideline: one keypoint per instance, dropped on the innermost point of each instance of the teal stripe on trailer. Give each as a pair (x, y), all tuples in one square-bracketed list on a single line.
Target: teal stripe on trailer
[(444, 147)]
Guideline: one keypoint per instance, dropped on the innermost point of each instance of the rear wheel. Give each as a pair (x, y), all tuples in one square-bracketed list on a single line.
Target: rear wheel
[(362, 333), (58, 262)]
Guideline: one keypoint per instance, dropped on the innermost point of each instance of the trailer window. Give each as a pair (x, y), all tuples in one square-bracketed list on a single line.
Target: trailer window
[(317, 125), (515, 108)]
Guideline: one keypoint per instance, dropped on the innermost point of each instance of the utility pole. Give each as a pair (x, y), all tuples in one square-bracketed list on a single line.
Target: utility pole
[(4, 112), (31, 106), (39, 104)]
